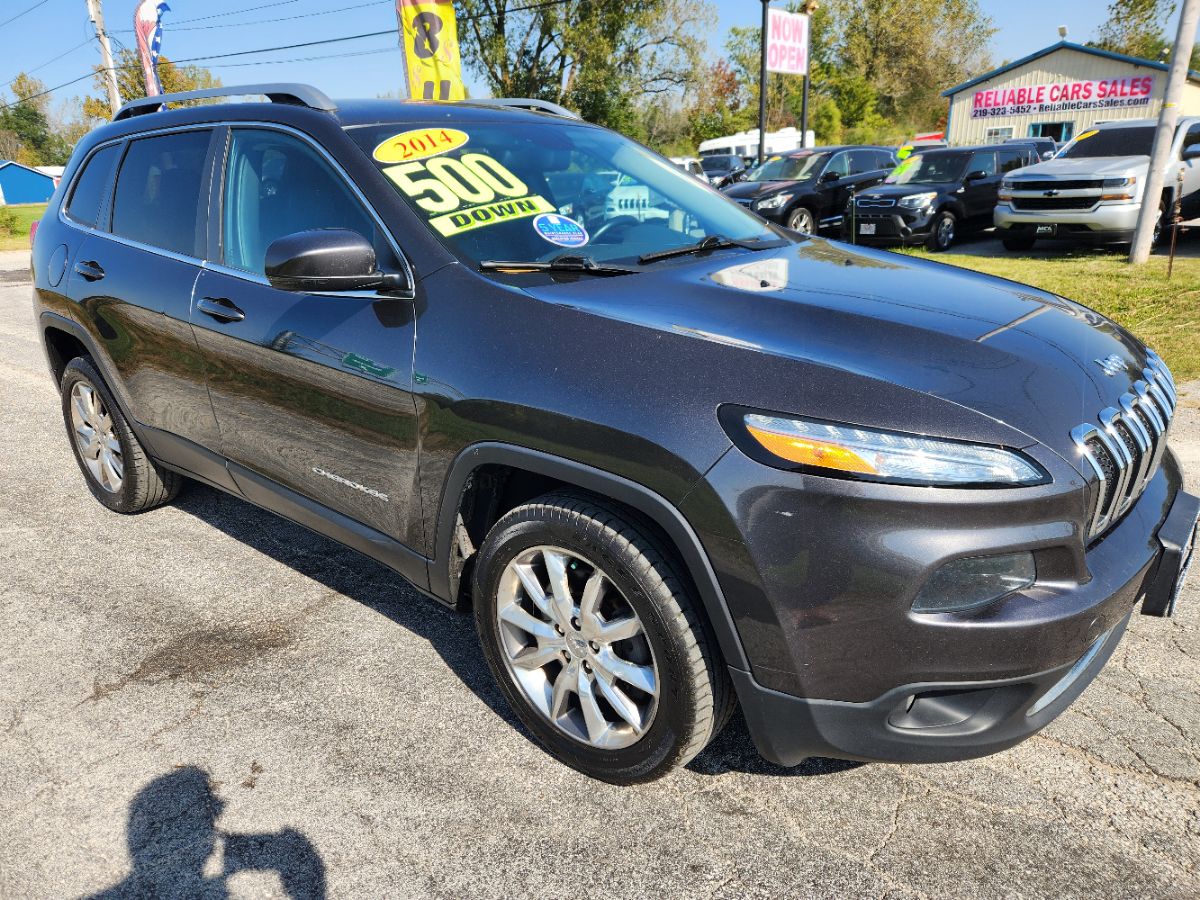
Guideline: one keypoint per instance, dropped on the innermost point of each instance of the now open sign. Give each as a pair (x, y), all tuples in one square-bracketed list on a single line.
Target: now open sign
[(787, 42)]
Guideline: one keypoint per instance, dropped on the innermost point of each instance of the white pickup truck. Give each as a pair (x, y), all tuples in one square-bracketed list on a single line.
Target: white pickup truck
[(1093, 189)]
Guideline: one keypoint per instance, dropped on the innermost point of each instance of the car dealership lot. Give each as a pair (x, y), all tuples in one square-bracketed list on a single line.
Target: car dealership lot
[(207, 692)]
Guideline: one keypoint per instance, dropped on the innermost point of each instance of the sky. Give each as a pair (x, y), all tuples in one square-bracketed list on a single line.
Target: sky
[(367, 67)]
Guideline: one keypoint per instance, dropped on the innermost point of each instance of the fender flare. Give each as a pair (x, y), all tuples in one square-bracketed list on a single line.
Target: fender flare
[(605, 484)]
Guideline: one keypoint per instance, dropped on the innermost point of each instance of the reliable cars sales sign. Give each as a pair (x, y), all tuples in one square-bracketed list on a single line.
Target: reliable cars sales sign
[(1064, 96), (787, 42)]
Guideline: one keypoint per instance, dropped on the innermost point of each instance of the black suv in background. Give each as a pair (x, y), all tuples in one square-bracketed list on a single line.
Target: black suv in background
[(669, 458), (723, 169), (933, 197), (1045, 147), (807, 190)]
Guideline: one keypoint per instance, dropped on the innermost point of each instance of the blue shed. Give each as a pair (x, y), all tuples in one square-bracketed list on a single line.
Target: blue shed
[(21, 184)]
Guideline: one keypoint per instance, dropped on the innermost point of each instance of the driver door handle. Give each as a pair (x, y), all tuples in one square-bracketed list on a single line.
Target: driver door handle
[(220, 308)]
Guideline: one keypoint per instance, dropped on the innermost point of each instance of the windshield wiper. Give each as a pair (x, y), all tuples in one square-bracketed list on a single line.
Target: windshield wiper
[(564, 263), (712, 242)]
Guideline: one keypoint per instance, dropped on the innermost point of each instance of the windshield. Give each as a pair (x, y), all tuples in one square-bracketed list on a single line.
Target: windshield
[(720, 163), (533, 192), (929, 168), (1110, 142), (789, 168)]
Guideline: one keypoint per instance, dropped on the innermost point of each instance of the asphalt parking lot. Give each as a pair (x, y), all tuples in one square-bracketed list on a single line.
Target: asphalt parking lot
[(208, 699)]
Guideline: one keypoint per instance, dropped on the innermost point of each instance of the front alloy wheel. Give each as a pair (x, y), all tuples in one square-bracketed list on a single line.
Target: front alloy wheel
[(595, 641), (576, 647), (801, 219)]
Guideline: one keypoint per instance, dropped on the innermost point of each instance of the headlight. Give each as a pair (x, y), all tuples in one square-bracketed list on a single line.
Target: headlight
[(1007, 184), (917, 201), (1112, 188), (850, 451), (773, 202)]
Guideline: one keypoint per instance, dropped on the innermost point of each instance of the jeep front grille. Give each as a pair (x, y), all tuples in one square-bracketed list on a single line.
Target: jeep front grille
[(877, 202), (1125, 448)]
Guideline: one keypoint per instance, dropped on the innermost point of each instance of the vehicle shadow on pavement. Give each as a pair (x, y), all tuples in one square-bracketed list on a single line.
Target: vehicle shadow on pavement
[(172, 833), (451, 634), (357, 577)]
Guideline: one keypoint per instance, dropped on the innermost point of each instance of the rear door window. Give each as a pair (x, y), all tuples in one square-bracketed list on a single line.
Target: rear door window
[(862, 161), (91, 189), (1011, 159), (157, 201)]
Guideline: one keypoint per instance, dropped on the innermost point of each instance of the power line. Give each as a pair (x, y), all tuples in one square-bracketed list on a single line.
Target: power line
[(174, 26), (337, 40), (41, 66), (24, 12)]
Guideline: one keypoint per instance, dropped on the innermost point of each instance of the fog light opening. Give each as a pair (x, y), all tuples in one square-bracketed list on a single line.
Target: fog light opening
[(975, 581)]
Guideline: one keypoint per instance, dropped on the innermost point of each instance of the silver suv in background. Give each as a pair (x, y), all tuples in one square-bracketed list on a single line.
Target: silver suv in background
[(1093, 190)]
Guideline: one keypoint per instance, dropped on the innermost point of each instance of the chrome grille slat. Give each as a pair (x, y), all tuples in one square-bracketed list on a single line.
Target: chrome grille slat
[(1126, 445)]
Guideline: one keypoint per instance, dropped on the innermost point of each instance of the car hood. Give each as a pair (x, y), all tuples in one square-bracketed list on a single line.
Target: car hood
[(746, 190), (1093, 167), (851, 322)]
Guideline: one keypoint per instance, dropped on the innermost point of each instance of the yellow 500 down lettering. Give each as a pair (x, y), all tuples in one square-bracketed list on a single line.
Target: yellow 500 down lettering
[(461, 194), (491, 214)]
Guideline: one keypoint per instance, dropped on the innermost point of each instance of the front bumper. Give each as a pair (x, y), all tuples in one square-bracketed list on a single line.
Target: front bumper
[(1105, 223), (888, 228), (841, 666)]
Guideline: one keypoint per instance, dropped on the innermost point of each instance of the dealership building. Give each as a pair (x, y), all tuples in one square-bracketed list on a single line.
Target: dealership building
[(1059, 92)]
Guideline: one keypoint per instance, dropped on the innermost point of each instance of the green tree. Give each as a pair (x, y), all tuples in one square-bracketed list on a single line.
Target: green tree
[(24, 118), (131, 82), (1137, 28), (598, 58)]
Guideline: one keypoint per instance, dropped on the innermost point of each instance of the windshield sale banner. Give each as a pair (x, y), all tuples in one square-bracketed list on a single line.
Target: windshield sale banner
[(1064, 96)]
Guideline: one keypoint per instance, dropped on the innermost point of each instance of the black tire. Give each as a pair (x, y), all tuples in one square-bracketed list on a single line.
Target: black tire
[(1161, 228), (1018, 243), (942, 232), (695, 696), (144, 483), (801, 219)]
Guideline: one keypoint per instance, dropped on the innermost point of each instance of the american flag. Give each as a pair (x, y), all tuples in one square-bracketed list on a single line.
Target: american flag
[(147, 23)]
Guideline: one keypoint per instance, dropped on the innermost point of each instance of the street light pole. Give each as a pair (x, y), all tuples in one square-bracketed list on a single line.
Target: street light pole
[(1164, 136), (762, 87)]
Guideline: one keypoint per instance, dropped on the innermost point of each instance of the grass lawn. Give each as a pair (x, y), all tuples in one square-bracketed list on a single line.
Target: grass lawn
[(1165, 314), (26, 215)]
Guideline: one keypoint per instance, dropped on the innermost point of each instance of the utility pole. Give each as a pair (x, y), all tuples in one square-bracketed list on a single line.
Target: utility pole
[(96, 15), (1164, 136), (762, 87)]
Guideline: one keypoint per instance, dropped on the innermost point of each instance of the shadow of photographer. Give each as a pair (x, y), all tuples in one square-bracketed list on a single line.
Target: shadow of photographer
[(178, 850)]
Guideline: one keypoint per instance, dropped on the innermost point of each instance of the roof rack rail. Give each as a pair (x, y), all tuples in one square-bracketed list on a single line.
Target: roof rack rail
[(528, 103), (294, 94)]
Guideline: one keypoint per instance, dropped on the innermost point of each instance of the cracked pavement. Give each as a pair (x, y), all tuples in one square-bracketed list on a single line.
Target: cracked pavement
[(215, 700)]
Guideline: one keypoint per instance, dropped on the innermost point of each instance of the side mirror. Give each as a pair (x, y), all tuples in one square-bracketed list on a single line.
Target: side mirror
[(977, 175), (831, 176), (1192, 152), (327, 260)]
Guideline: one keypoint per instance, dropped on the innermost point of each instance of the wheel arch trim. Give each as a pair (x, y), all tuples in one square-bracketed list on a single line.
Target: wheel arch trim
[(640, 498)]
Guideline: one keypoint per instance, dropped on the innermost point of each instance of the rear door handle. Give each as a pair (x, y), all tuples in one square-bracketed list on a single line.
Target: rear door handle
[(90, 270), (219, 308)]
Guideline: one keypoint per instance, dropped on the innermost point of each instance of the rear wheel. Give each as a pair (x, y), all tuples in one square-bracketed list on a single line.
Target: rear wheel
[(943, 232), (595, 641), (115, 466)]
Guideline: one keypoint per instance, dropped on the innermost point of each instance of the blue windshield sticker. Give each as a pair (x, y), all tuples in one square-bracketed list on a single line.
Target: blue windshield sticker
[(560, 230)]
